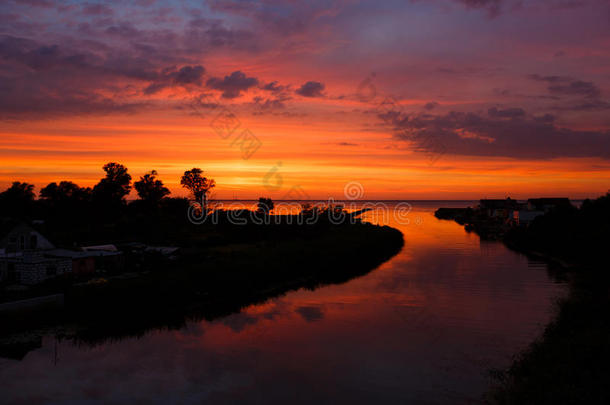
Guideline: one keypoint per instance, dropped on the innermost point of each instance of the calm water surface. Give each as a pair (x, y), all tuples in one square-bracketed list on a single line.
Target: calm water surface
[(423, 328)]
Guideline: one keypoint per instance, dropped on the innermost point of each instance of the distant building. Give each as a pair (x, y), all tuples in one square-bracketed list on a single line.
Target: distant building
[(524, 217), (497, 208)]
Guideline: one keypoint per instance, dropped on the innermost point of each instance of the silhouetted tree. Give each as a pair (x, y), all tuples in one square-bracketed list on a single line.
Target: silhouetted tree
[(113, 188), (64, 192), (17, 200), (150, 189), (265, 205), (199, 185), (65, 202)]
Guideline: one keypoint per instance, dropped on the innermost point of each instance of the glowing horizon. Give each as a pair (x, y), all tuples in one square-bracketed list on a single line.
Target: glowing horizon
[(413, 101)]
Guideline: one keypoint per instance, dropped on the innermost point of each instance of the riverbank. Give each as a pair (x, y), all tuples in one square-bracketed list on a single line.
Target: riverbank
[(216, 279), (568, 364)]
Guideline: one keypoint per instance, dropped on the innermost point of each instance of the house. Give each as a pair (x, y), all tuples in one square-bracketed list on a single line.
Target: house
[(107, 257), (23, 237), (547, 204), (524, 217), (22, 258), (497, 208), (27, 257), (83, 263), (32, 267)]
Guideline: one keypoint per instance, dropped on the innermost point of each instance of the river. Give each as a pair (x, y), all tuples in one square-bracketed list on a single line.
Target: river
[(423, 328)]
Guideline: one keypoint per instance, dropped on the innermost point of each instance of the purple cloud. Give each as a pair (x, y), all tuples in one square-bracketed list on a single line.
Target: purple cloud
[(507, 133), (311, 89), (567, 86), (186, 75), (233, 85)]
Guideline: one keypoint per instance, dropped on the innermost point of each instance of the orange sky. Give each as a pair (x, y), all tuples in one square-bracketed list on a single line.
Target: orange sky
[(425, 100), (41, 152)]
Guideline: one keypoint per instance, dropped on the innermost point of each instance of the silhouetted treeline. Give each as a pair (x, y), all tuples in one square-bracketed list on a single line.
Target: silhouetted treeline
[(72, 213), (579, 236)]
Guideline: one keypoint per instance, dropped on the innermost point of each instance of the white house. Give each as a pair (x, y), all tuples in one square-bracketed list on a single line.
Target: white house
[(23, 237), (23, 257)]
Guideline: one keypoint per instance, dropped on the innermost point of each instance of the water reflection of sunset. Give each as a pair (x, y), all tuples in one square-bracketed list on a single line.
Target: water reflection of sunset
[(426, 324)]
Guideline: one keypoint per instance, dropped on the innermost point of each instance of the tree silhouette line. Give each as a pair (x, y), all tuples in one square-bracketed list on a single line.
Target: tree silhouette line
[(108, 195)]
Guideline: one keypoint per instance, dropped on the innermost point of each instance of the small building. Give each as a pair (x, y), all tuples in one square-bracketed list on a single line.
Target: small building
[(524, 217), (22, 258), (107, 257), (32, 267), (498, 208), (83, 263)]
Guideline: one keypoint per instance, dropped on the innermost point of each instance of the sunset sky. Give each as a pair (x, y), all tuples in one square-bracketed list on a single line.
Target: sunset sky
[(420, 99)]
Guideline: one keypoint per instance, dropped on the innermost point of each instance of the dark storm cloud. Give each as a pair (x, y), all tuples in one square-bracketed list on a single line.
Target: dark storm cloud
[(507, 133), (311, 89), (232, 85)]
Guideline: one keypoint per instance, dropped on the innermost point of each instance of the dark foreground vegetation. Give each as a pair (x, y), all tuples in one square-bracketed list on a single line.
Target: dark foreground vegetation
[(230, 260), (570, 363), (218, 275)]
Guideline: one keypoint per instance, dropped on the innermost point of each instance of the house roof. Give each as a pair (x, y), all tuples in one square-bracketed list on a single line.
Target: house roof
[(103, 248), (164, 250), (16, 227), (70, 253), (7, 226), (498, 204)]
